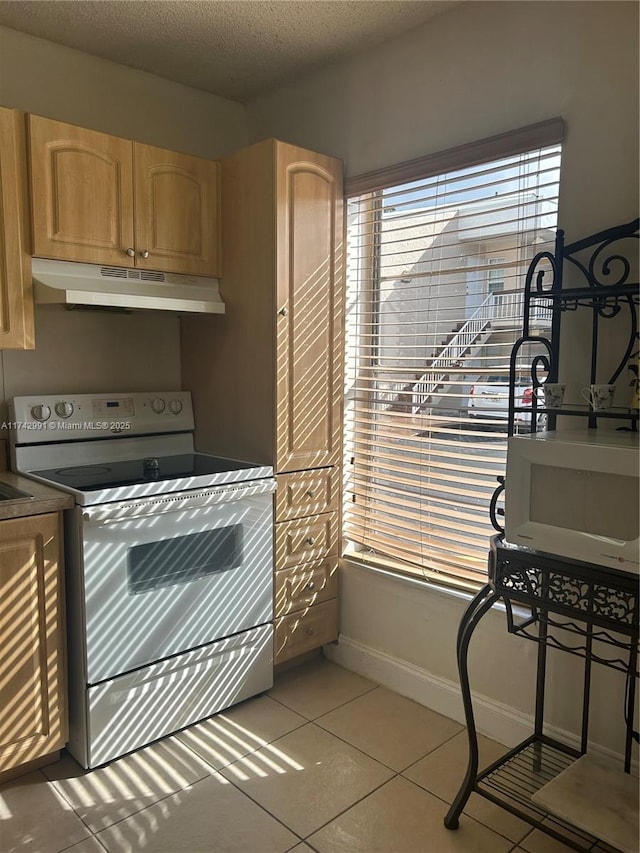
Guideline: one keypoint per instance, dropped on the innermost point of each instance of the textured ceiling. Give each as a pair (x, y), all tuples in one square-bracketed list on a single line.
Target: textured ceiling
[(235, 48)]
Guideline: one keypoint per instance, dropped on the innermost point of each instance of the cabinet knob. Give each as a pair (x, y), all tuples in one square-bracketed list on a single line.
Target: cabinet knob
[(309, 630), (144, 254), (311, 585), (283, 311), (310, 540), (131, 252), (309, 493)]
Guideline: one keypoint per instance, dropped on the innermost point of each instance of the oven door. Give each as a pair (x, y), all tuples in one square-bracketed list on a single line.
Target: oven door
[(165, 575)]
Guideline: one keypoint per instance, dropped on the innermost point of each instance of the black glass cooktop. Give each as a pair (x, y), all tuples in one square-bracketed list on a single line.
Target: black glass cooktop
[(86, 478)]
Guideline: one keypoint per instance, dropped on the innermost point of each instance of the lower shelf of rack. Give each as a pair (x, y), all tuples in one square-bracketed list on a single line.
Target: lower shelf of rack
[(512, 781), (598, 798)]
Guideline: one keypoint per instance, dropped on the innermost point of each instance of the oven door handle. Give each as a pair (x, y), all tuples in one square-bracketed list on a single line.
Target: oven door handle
[(124, 510)]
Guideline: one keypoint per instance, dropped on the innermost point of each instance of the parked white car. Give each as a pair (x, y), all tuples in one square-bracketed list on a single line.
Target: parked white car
[(490, 399)]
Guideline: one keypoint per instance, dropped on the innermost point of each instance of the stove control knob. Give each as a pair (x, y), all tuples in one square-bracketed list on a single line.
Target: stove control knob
[(64, 409), (175, 407), (157, 404), (41, 412)]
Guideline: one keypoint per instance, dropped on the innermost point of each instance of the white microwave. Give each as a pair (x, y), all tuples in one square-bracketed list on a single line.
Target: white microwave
[(575, 494)]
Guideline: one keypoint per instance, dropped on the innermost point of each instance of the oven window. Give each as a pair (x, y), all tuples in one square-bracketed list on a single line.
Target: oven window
[(183, 559)]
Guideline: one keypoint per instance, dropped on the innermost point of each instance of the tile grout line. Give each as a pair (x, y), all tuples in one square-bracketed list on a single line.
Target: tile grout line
[(397, 775), (347, 808), (62, 796), (324, 713), (471, 817), (274, 817), (432, 750), (122, 819)]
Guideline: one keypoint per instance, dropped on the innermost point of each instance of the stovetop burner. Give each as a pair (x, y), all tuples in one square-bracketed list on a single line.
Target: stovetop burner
[(82, 471), (134, 472)]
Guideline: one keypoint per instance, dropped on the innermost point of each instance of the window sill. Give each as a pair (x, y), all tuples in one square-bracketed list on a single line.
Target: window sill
[(425, 585)]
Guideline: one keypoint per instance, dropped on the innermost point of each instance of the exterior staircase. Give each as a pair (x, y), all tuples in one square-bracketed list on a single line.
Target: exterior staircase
[(498, 312), (471, 333)]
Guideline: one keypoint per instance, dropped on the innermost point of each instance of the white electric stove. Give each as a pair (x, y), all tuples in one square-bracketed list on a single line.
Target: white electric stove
[(169, 564)]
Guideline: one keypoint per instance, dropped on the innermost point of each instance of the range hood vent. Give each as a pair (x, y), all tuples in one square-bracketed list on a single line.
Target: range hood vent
[(65, 283)]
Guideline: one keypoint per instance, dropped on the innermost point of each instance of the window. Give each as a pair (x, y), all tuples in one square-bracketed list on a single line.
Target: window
[(437, 255), (495, 275)]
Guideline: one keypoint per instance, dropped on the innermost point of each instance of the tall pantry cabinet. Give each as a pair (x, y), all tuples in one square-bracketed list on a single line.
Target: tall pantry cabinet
[(267, 377)]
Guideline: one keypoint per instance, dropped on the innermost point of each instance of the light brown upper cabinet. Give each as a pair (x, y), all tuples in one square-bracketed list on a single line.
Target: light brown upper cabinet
[(276, 361), (100, 199), (16, 298)]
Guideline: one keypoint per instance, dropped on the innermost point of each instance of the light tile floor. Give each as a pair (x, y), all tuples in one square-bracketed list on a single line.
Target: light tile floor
[(327, 761)]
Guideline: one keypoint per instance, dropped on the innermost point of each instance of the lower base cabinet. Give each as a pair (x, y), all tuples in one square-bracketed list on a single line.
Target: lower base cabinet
[(306, 561), (33, 708), (305, 630)]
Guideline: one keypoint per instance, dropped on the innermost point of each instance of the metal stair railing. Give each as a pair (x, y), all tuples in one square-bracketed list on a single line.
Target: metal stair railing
[(451, 354)]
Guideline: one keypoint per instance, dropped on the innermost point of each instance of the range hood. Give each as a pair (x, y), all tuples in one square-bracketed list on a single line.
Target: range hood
[(67, 283)]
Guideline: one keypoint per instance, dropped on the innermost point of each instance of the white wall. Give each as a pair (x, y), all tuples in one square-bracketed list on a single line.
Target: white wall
[(79, 351), (54, 81), (474, 71)]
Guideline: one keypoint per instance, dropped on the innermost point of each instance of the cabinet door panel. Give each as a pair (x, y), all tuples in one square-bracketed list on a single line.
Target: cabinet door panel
[(177, 217), (32, 673), (81, 187), (309, 327), (16, 298)]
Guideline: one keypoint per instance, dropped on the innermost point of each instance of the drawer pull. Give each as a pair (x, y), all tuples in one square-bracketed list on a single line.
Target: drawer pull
[(310, 540), (309, 493), (309, 630), (311, 585)]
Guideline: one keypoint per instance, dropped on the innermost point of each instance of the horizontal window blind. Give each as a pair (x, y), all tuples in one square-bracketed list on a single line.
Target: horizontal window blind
[(435, 279)]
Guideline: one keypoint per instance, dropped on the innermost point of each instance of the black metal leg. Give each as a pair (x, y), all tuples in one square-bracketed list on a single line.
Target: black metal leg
[(543, 631), (540, 685), (630, 704), (483, 602)]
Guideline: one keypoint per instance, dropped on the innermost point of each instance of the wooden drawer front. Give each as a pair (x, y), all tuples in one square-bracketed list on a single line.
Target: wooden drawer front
[(306, 539), (306, 493), (306, 630), (310, 584)]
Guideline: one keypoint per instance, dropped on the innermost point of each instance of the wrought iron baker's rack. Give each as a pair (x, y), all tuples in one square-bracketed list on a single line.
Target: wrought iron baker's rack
[(583, 609)]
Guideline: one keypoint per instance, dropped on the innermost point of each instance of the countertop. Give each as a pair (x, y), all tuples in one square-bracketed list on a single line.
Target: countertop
[(45, 498)]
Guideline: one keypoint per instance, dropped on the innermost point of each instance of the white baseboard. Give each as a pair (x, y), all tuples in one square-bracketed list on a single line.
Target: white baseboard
[(493, 719)]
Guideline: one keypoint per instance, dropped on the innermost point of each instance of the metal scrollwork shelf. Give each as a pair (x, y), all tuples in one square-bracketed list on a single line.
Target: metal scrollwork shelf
[(580, 608), (591, 273)]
